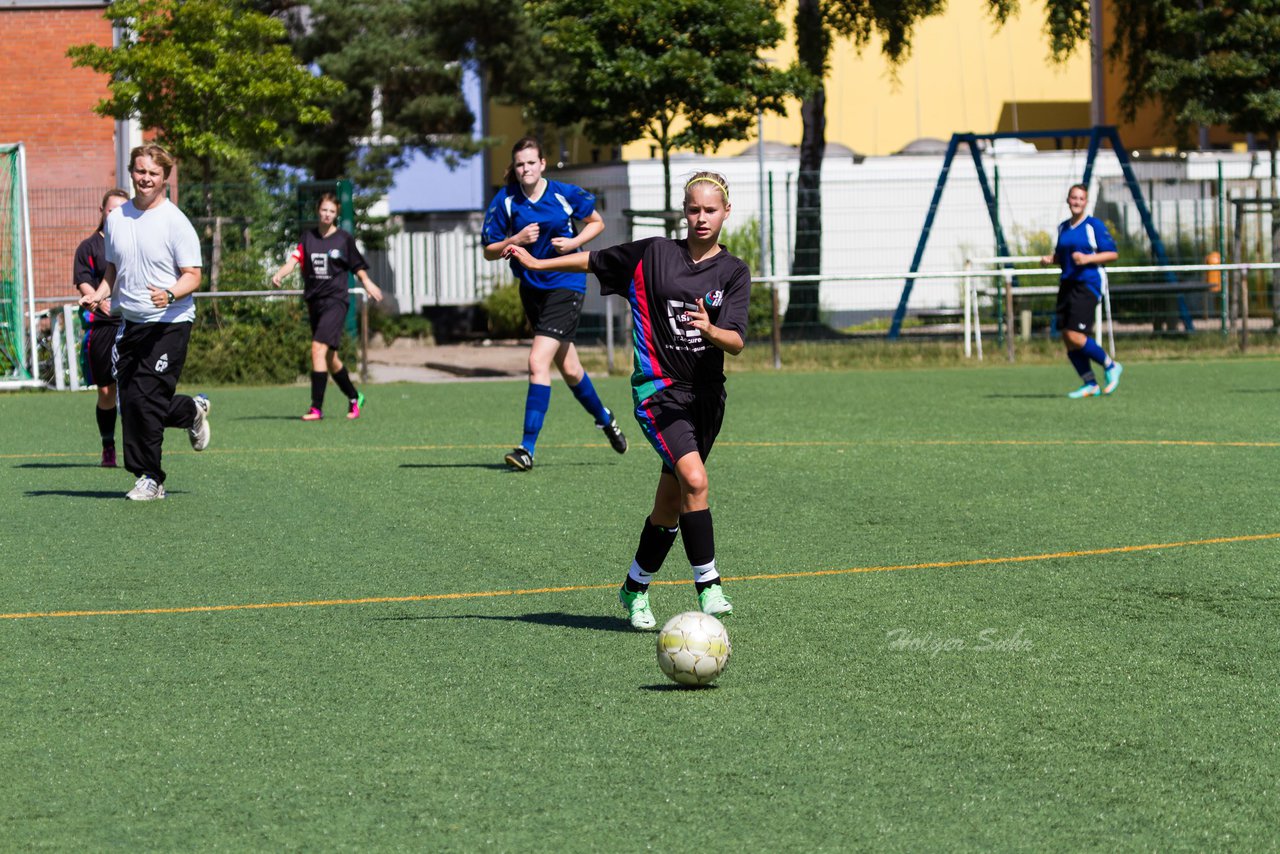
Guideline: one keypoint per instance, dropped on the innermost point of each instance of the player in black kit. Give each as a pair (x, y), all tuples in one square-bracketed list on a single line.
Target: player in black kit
[(327, 254), (100, 326), (689, 303)]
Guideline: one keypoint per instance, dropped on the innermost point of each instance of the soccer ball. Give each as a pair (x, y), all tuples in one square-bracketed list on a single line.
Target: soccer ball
[(693, 648)]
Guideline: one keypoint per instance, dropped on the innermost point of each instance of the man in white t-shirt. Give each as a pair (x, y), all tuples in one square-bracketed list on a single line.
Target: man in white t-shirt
[(153, 268)]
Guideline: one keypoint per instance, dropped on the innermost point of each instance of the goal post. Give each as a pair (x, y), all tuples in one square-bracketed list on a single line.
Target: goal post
[(17, 290)]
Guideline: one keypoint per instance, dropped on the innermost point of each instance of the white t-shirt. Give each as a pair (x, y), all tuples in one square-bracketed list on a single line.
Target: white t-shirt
[(149, 248)]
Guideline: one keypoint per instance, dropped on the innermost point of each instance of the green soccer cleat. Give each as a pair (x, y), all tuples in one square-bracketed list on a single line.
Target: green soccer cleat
[(1113, 377), (638, 611), (713, 601), (1086, 390)]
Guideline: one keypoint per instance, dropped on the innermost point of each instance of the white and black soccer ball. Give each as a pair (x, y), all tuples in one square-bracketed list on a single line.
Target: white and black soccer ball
[(693, 648)]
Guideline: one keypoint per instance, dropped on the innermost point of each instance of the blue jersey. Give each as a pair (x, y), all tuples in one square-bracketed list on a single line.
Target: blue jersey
[(1090, 237), (554, 212)]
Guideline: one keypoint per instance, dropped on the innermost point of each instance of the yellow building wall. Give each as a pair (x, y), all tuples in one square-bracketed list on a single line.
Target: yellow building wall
[(964, 74)]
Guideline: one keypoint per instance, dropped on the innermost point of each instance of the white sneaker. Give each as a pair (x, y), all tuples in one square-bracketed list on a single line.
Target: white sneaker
[(146, 489), (199, 431)]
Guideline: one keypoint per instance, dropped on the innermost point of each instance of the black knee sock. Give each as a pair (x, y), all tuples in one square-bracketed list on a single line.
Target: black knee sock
[(343, 381), (318, 381), (655, 542), (107, 426), (700, 547)]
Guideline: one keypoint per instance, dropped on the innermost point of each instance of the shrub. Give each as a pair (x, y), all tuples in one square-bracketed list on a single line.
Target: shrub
[(393, 326), (252, 341), (505, 312)]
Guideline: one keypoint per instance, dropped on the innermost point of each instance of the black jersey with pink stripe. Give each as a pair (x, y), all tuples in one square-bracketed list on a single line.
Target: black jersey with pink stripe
[(662, 282), (325, 261), (88, 269)]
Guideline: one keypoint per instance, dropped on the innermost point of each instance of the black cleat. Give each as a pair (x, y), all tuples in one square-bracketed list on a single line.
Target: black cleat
[(519, 459), (613, 433)]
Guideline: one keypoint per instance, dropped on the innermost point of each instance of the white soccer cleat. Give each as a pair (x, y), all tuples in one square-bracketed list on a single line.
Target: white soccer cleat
[(199, 431)]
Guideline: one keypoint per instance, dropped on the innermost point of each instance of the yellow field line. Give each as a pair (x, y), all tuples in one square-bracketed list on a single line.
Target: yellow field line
[(1032, 443), (437, 597)]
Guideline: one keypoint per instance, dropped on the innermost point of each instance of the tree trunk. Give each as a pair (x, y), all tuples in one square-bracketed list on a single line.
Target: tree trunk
[(215, 251), (670, 223), (215, 254), (1275, 231), (206, 169), (813, 44), (666, 176)]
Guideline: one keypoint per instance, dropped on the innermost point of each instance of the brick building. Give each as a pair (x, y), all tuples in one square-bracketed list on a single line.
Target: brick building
[(45, 103)]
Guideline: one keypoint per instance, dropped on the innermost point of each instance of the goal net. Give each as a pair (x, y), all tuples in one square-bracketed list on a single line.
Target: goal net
[(17, 297)]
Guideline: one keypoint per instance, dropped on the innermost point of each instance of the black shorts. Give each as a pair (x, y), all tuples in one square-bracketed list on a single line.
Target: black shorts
[(1076, 308), (553, 313), (328, 318), (678, 422), (95, 353)]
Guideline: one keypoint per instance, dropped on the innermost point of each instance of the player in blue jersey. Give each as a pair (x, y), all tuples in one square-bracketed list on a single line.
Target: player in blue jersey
[(1084, 244), (538, 215), (689, 301)]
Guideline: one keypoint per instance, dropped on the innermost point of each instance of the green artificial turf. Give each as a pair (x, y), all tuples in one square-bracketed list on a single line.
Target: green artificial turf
[(898, 681)]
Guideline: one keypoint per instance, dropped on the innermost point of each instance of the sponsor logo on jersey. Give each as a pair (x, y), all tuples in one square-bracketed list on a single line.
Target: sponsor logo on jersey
[(714, 299), (678, 320)]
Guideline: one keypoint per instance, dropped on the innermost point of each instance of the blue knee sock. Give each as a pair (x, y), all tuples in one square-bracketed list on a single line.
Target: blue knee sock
[(1080, 362), (1094, 351), (535, 409), (585, 392)]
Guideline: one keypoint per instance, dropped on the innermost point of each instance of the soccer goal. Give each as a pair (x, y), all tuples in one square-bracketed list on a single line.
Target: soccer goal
[(17, 290)]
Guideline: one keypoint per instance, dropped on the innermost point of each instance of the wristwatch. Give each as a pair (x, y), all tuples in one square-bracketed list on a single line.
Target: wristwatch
[(171, 296)]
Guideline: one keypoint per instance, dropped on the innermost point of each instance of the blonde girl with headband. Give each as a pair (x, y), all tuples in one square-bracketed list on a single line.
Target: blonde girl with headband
[(689, 302)]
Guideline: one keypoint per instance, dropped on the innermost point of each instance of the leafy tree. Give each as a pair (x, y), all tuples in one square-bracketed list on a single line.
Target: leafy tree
[(682, 73), (215, 79), (1206, 62), (402, 65), (1203, 62), (817, 23)]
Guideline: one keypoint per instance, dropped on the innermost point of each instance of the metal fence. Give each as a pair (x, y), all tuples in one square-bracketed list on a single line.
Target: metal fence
[(430, 269), (872, 216), (61, 327)]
